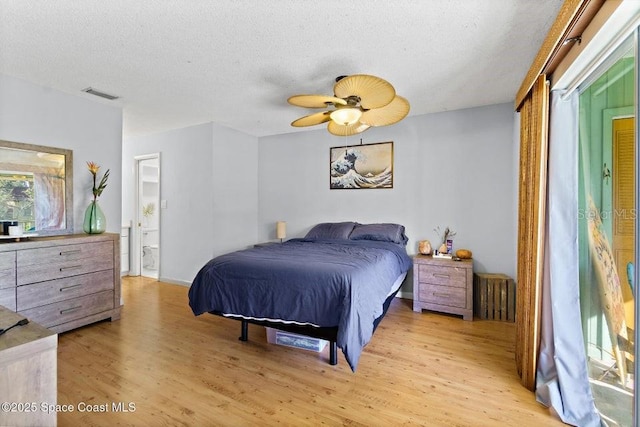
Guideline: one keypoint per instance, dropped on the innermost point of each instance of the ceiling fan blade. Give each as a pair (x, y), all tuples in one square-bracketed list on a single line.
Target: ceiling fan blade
[(391, 113), (312, 119), (373, 91), (342, 130), (315, 101)]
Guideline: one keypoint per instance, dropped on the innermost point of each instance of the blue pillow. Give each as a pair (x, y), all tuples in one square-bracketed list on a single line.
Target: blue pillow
[(331, 230), (381, 232)]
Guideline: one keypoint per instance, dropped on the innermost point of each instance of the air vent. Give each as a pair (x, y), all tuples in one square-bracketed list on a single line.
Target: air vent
[(96, 92)]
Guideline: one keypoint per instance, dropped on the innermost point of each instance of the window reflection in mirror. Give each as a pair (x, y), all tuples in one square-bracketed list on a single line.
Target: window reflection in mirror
[(17, 199), (35, 187)]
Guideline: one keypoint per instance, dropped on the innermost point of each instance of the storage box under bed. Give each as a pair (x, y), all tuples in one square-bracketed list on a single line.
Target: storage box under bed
[(289, 339)]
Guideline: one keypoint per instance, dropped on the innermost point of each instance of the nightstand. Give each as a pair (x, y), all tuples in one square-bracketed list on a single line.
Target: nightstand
[(443, 285)]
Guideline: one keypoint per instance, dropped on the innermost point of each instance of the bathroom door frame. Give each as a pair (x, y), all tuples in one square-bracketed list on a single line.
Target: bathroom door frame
[(136, 261)]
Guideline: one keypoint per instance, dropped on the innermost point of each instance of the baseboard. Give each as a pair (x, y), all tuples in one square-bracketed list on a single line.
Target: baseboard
[(174, 281), (404, 295)]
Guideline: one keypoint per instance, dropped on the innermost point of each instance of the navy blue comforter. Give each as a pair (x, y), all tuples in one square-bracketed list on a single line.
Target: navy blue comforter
[(321, 282)]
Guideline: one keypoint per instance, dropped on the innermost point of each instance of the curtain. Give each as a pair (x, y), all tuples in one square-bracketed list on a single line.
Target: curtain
[(531, 205), (562, 380)]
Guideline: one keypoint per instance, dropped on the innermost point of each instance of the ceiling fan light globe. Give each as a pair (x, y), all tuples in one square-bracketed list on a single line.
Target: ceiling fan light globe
[(346, 116)]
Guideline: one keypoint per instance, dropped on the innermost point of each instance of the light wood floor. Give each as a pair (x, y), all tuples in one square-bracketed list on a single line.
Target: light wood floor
[(177, 369)]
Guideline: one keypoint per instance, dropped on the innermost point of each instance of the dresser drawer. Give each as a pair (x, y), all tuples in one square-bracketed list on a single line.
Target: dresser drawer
[(7, 260), (7, 278), (64, 267), (443, 295), (441, 275), (7, 270), (64, 254), (8, 298), (33, 295), (65, 311)]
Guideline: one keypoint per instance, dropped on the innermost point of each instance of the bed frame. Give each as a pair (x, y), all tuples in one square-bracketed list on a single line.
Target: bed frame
[(325, 333)]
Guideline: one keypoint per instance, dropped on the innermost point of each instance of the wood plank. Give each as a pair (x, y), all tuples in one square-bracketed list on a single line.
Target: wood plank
[(511, 302), (490, 302), (177, 369)]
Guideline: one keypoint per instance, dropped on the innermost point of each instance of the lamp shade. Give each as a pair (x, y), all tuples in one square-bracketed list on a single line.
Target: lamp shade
[(281, 230), (346, 116)]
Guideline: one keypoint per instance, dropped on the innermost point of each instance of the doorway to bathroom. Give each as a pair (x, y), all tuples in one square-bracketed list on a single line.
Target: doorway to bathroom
[(148, 215)]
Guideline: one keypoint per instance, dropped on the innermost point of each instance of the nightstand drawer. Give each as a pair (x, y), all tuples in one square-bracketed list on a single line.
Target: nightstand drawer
[(443, 275), (443, 295)]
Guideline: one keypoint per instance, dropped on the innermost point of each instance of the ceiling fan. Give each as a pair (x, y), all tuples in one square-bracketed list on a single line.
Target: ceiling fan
[(359, 102)]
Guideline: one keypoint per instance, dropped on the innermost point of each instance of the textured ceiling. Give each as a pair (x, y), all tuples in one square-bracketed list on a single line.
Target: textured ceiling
[(235, 63)]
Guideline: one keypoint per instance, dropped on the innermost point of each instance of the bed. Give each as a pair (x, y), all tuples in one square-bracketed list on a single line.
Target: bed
[(335, 283)]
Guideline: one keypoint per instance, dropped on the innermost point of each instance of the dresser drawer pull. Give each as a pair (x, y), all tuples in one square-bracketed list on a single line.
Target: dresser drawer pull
[(69, 310), (67, 288), (444, 276), (71, 252), (72, 267), (441, 294)]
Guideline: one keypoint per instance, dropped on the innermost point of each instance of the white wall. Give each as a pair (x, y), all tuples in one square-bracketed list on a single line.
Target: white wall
[(225, 190), (208, 177), (451, 169), (235, 189), (37, 115)]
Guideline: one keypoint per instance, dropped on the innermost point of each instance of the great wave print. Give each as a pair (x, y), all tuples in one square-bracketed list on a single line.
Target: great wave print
[(362, 166)]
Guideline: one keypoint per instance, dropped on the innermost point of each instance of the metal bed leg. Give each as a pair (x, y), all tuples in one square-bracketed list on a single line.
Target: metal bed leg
[(333, 353), (244, 331)]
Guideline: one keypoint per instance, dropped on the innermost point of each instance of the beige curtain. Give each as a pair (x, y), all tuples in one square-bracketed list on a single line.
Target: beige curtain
[(531, 206)]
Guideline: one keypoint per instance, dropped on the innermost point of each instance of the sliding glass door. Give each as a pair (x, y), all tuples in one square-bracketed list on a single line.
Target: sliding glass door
[(607, 197)]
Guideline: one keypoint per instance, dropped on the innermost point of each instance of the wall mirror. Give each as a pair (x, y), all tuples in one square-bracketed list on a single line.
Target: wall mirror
[(36, 188)]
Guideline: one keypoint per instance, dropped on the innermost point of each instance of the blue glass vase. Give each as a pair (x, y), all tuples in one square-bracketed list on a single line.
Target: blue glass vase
[(94, 220)]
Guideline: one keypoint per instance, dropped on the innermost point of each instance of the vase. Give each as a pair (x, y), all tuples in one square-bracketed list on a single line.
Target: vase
[(94, 220)]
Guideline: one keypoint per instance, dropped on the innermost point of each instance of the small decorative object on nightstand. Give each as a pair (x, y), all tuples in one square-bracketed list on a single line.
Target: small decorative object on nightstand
[(424, 247), (443, 285)]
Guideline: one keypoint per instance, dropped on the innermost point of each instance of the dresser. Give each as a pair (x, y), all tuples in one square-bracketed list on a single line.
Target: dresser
[(28, 373), (443, 285), (62, 282)]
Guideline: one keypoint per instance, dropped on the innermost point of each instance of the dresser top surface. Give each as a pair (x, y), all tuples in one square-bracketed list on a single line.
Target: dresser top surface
[(48, 241), (20, 334)]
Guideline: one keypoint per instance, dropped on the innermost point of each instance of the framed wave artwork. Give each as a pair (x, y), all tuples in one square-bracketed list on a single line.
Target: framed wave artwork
[(361, 166)]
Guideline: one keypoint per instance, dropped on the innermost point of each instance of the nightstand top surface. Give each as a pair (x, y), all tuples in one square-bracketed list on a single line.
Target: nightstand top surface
[(428, 259)]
